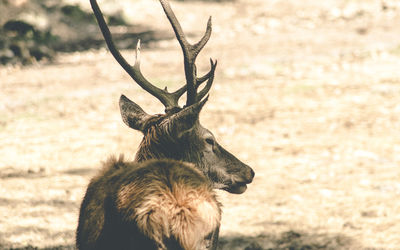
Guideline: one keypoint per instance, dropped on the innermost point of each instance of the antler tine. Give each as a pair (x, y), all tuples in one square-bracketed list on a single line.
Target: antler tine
[(199, 46), (190, 52), (178, 93), (169, 100), (210, 80), (207, 76)]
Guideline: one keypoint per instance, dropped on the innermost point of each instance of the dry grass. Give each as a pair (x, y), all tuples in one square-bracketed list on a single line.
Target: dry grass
[(307, 93)]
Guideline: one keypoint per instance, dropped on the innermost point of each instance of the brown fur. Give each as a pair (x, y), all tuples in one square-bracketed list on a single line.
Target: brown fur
[(159, 204), (156, 142)]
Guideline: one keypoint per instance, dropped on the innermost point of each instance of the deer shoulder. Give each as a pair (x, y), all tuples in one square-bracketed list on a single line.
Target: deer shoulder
[(158, 204)]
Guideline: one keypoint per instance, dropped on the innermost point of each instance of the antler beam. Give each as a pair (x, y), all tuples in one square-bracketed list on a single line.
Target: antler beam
[(190, 52)]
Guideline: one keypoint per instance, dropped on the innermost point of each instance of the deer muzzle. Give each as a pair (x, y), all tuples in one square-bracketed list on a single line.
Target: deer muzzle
[(239, 184)]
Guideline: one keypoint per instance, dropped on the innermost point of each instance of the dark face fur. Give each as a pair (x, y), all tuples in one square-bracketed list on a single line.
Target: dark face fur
[(223, 169), (180, 136)]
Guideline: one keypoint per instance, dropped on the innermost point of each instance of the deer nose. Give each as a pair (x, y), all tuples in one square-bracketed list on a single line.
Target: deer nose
[(252, 173), (249, 174)]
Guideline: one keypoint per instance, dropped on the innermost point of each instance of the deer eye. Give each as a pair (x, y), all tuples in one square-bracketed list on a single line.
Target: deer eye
[(210, 141)]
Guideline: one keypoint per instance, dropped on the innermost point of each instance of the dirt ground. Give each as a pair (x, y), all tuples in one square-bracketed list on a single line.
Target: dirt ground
[(306, 92)]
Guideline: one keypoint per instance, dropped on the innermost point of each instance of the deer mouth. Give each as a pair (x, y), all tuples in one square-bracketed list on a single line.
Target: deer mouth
[(236, 188)]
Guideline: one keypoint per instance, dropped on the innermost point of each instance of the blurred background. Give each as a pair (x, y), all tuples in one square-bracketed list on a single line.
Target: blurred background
[(306, 92)]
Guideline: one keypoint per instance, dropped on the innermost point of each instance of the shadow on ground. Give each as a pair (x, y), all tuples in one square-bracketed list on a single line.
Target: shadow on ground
[(69, 247), (288, 240)]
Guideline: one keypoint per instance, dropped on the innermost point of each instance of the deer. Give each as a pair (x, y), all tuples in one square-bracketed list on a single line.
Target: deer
[(165, 198)]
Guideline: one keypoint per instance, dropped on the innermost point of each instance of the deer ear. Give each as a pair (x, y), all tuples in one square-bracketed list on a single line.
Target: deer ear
[(187, 117), (132, 114)]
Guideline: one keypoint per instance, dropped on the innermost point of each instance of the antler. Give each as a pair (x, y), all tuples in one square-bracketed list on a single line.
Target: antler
[(169, 100), (190, 52)]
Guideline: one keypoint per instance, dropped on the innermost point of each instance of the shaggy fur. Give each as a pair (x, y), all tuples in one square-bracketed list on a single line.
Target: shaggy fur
[(158, 204), (156, 142)]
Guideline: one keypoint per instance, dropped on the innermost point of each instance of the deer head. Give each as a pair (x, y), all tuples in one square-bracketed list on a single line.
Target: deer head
[(178, 134)]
